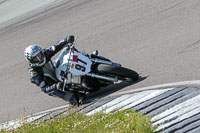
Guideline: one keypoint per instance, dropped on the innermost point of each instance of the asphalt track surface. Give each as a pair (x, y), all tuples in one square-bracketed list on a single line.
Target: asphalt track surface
[(159, 39)]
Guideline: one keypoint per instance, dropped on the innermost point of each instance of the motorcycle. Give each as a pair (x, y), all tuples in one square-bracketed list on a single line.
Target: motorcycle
[(82, 72)]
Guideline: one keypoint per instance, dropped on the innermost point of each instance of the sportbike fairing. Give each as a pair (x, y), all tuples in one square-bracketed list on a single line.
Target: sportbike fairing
[(75, 63)]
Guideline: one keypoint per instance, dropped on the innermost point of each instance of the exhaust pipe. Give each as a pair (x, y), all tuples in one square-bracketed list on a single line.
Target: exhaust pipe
[(102, 77)]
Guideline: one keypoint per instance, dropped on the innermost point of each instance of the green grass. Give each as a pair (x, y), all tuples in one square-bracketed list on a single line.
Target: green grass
[(127, 121)]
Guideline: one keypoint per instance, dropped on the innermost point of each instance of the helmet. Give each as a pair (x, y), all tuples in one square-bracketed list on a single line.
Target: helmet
[(35, 56)]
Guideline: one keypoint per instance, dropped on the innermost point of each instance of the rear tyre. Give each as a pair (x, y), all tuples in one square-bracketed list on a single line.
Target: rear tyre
[(121, 72)]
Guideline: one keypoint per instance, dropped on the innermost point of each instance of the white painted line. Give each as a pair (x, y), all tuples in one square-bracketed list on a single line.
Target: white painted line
[(177, 114), (182, 117), (109, 104), (19, 122), (151, 95), (177, 110), (51, 110), (128, 101), (168, 85)]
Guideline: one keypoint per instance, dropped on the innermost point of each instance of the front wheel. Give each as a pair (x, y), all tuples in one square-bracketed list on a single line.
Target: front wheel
[(120, 72)]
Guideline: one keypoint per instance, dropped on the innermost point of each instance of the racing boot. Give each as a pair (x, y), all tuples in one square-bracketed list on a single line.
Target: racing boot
[(74, 100), (77, 99), (82, 97)]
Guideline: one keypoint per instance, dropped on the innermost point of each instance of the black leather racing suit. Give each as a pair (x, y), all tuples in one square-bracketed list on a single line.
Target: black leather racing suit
[(45, 78)]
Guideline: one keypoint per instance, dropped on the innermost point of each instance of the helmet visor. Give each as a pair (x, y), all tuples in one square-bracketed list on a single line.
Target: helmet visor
[(38, 58)]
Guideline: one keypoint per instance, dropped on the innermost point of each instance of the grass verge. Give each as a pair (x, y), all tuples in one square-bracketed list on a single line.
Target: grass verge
[(126, 121)]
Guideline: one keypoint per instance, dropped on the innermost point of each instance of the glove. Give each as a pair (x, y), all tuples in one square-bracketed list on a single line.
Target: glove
[(69, 39)]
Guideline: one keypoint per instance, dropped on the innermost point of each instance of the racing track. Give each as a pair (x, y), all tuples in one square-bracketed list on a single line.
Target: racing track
[(157, 38)]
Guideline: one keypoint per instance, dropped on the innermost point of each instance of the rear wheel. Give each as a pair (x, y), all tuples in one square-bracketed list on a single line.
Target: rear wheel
[(120, 72)]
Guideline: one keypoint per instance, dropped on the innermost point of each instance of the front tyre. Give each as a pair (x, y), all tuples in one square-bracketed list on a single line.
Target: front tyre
[(120, 72)]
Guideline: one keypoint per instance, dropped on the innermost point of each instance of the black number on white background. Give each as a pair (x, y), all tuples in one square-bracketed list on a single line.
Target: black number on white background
[(79, 67), (82, 61)]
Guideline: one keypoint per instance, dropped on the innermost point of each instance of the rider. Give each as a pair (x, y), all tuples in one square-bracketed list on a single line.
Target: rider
[(42, 70)]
